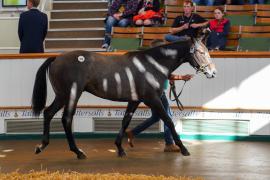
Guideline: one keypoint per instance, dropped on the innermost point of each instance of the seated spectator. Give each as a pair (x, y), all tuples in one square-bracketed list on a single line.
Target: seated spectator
[(256, 1), (120, 14), (235, 2), (148, 13), (219, 2), (204, 2), (186, 24), (219, 27)]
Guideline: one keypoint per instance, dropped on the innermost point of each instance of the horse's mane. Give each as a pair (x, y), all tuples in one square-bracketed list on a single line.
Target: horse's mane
[(180, 44)]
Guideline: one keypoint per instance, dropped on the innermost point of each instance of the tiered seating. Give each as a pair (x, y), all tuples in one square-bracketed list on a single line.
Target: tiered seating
[(126, 38), (240, 38), (240, 15), (132, 38), (262, 14), (151, 33), (205, 11), (174, 2), (233, 38), (254, 38)]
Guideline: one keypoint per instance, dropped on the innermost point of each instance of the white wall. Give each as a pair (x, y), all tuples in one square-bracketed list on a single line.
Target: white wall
[(240, 83), (9, 32)]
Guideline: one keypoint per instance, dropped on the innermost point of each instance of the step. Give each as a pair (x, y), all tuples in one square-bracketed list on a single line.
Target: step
[(77, 23), (76, 33), (73, 42), (68, 14), (64, 5)]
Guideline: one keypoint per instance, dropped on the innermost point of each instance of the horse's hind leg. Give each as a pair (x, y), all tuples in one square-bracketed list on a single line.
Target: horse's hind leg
[(156, 105), (48, 114), (67, 123), (67, 118), (132, 106)]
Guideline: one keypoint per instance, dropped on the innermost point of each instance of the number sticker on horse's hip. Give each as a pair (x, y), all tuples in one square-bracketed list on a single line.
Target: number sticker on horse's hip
[(81, 58)]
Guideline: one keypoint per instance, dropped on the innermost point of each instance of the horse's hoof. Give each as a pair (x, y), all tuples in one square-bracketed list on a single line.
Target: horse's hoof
[(122, 154), (185, 152), (81, 155), (37, 150)]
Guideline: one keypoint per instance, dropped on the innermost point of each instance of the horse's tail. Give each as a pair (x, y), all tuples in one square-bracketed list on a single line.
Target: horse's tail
[(39, 95)]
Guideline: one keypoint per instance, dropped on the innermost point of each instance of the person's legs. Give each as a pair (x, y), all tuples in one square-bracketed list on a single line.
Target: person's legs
[(169, 143), (139, 22), (147, 22), (209, 2), (142, 126), (170, 146), (111, 21), (173, 38), (147, 123), (167, 133), (123, 22)]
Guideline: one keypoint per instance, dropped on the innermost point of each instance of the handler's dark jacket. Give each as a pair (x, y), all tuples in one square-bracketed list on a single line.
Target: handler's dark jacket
[(32, 30)]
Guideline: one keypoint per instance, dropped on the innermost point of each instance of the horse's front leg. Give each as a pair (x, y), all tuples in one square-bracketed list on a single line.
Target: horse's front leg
[(132, 106), (156, 105)]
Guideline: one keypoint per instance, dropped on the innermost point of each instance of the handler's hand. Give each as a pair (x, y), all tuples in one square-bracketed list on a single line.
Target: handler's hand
[(186, 77)]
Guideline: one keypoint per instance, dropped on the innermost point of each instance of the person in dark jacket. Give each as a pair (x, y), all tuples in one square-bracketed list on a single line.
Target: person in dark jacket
[(186, 24), (120, 14), (219, 27), (32, 30)]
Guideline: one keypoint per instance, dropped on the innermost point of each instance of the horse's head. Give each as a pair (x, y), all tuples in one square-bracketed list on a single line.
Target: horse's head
[(200, 58)]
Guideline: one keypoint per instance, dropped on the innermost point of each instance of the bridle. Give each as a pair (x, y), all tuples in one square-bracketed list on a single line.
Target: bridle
[(200, 68)]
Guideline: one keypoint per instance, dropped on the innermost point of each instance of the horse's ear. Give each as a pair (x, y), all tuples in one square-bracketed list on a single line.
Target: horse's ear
[(203, 33), (206, 35)]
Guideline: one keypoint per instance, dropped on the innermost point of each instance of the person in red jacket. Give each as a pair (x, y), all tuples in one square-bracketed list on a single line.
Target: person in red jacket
[(219, 27), (148, 13)]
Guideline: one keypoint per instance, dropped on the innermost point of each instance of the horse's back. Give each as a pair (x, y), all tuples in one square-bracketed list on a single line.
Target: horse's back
[(68, 68)]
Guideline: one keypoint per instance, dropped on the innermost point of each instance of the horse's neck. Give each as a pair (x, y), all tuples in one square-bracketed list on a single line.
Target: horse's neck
[(167, 57)]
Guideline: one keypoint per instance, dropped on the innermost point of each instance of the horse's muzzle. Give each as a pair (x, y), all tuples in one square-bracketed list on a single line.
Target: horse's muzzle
[(211, 74)]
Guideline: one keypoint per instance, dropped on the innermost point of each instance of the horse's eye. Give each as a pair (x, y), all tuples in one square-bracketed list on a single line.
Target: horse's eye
[(201, 52)]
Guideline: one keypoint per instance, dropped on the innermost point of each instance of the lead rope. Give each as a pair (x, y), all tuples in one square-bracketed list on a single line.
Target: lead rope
[(176, 97)]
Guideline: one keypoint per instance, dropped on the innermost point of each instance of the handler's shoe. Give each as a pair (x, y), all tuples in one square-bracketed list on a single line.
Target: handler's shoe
[(171, 148), (130, 137)]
